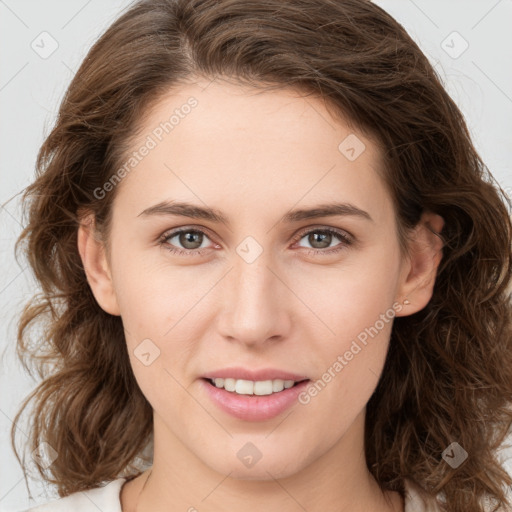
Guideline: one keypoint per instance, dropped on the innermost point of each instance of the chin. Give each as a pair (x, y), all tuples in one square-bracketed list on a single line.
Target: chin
[(265, 470)]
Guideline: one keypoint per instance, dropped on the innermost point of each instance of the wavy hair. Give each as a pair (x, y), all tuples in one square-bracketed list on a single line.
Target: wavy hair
[(448, 372)]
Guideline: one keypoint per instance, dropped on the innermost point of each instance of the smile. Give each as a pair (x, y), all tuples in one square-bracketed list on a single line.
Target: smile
[(250, 387)]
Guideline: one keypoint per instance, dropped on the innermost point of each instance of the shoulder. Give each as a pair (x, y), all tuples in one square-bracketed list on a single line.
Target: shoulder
[(105, 498), (417, 500)]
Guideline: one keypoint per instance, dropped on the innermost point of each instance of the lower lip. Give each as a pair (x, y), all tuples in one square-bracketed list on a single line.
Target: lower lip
[(253, 407)]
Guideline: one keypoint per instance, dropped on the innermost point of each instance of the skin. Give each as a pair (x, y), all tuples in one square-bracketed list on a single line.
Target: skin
[(254, 156)]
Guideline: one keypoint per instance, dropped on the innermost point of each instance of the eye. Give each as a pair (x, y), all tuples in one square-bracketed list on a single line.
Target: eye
[(321, 239), (190, 239)]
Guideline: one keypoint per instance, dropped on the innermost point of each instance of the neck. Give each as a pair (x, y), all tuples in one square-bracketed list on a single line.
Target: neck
[(337, 480)]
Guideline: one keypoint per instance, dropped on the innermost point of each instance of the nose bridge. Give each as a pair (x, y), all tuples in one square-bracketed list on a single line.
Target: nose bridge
[(254, 308), (253, 281)]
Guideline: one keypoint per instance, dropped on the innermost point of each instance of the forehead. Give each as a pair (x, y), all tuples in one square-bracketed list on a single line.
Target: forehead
[(224, 143)]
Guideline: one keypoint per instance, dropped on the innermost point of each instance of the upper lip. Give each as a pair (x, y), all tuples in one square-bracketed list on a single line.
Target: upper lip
[(255, 375)]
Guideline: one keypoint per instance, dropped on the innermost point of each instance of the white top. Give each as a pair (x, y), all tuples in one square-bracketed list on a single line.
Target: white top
[(107, 499)]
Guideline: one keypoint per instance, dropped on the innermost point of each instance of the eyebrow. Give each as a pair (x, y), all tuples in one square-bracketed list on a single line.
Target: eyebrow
[(198, 212)]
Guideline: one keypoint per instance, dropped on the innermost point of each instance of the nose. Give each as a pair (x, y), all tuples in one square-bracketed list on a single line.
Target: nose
[(256, 304)]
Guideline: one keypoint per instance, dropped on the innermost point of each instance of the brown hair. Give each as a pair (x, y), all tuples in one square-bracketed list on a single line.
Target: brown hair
[(448, 372)]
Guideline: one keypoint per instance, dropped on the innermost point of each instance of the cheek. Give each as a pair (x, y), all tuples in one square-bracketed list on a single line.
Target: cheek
[(349, 367), (353, 295), (356, 303), (152, 302), (159, 309), (150, 294)]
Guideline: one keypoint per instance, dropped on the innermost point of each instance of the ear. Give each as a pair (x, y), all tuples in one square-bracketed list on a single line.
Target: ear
[(94, 260), (420, 267)]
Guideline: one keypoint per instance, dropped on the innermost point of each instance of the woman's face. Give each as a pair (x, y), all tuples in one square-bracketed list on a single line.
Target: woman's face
[(279, 288)]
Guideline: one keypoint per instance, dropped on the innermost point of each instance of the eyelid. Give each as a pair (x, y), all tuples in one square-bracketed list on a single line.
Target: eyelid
[(176, 231), (171, 233), (345, 237), (337, 231), (300, 234)]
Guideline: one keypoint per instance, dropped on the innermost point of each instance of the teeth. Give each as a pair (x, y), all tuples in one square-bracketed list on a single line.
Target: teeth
[(250, 387)]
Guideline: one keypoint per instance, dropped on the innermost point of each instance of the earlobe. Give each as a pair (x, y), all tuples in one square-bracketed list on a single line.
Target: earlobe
[(94, 261), (426, 252)]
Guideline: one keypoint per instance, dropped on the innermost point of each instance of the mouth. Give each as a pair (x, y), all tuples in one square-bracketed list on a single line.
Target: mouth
[(253, 388), (249, 400)]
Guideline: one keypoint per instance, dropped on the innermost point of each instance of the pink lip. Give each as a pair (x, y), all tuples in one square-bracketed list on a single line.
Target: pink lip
[(253, 407), (255, 375)]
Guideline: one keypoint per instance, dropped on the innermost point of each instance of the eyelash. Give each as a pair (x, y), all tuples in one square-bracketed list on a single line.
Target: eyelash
[(346, 241)]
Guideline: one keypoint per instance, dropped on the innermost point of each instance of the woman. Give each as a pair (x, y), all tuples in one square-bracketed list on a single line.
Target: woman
[(200, 145)]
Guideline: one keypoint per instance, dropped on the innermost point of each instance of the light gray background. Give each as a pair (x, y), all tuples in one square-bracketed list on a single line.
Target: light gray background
[(31, 87)]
